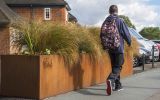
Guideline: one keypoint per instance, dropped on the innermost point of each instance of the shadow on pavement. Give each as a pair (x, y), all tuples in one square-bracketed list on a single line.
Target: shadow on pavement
[(87, 92), (96, 89)]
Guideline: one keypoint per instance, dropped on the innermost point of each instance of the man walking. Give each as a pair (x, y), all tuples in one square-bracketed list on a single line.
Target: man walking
[(113, 33)]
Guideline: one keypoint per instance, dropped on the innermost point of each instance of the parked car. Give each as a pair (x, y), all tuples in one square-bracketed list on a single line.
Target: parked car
[(156, 49), (158, 44), (145, 43), (156, 41), (138, 60)]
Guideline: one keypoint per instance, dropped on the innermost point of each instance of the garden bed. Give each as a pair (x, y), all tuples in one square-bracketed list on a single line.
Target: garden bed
[(43, 76)]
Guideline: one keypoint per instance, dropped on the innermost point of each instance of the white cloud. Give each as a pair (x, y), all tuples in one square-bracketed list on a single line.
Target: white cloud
[(88, 11), (93, 12), (141, 14)]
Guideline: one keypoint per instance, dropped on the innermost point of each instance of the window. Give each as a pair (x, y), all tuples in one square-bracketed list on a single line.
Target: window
[(67, 16), (47, 13)]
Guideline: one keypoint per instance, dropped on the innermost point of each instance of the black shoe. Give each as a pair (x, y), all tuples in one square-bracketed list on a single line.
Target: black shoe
[(118, 87)]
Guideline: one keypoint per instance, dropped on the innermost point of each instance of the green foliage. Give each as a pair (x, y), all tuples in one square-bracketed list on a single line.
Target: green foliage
[(68, 40), (127, 21), (47, 38), (92, 39), (151, 32)]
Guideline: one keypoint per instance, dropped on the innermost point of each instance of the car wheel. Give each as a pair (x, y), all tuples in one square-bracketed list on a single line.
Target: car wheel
[(156, 59), (135, 62)]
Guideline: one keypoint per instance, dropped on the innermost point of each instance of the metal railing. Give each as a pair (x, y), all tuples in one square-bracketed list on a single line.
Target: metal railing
[(143, 61), (153, 59), (153, 56)]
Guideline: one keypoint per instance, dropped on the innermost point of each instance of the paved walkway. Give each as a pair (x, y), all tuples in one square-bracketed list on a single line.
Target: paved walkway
[(141, 86)]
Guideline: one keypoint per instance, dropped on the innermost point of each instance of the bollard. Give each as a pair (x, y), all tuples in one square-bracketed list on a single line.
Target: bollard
[(143, 61), (153, 56)]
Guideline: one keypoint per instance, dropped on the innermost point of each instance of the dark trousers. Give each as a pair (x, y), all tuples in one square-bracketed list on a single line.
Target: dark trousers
[(117, 60)]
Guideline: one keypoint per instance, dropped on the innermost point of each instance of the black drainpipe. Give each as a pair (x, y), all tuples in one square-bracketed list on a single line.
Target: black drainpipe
[(32, 13)]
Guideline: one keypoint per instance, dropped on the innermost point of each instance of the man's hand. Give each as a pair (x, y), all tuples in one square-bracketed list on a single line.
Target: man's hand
[(129, 45)]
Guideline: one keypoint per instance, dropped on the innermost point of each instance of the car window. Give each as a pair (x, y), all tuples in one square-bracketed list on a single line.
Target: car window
[(156, 41), (134, 34), (137, 34)]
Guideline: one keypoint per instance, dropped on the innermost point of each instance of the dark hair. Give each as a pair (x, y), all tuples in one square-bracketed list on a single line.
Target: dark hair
[(113, 9)]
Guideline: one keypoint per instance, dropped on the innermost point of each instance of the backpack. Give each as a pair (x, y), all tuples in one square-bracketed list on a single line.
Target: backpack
[(110, 35)]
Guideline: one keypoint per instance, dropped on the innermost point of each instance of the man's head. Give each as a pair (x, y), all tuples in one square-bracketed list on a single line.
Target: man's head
[(113, 9)]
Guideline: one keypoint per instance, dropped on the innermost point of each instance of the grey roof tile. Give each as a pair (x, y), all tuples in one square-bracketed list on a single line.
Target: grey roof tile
[(6, 14), (35, 2)]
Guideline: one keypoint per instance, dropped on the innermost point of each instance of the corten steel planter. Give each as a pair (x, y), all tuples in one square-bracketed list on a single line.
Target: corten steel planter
[(43, 76)]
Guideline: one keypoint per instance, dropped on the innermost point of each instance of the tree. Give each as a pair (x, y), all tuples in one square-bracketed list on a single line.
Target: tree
[(151, 32), (127, 21)]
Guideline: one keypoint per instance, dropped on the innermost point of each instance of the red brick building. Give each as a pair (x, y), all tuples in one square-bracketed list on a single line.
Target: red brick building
[(42, 10), (7, 17)]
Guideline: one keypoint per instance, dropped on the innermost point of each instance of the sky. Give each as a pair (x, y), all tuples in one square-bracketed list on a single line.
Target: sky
[(142, 13)]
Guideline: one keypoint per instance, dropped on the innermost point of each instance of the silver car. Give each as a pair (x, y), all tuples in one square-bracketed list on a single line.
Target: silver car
[(138, 60), (145, 43)]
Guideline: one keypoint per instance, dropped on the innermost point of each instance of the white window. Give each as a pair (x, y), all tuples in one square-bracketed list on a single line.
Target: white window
[(66, 15), (47, 13)]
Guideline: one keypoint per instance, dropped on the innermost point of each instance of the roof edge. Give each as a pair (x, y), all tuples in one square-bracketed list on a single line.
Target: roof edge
[(40, 5), (67, 6)]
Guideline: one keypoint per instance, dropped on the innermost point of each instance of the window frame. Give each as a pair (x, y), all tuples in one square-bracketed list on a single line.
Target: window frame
[(47, 17)]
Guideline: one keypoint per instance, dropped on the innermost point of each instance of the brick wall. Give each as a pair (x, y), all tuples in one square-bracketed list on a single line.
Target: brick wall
[(57, 13), (4, 40), (24, 12)]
